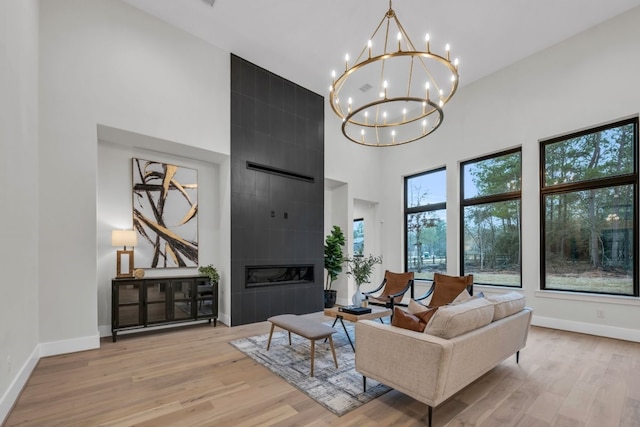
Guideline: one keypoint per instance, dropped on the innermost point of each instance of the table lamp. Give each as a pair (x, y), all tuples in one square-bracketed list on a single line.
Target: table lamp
[(124, 238)]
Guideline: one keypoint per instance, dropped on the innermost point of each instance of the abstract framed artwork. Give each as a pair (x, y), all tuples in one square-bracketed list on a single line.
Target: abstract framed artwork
[(165, 214)]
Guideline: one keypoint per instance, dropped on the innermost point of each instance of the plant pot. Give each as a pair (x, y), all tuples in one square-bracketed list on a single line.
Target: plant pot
[(330, 298)]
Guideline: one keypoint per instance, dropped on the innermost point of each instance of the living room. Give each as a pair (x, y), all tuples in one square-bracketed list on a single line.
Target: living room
[(89, 85)]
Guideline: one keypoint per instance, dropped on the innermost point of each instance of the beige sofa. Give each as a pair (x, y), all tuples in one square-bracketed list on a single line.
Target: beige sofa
[(431, 368)]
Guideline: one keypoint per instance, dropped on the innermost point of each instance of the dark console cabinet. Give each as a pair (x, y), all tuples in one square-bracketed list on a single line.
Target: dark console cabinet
[(154, 301)]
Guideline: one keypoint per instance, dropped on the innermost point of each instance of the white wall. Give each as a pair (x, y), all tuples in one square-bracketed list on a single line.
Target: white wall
[(105, 63), (587, 80), (18, 196)]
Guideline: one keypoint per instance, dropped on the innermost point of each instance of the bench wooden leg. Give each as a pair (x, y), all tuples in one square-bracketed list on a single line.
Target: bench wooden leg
[(313, 354), (270, 334), (333, 350)]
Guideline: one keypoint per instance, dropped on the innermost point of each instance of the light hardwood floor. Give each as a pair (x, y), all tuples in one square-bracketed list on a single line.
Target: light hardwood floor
[(192, 377)]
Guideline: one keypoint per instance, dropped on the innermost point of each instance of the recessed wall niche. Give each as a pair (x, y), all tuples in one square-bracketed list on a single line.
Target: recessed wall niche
[(277, 193)]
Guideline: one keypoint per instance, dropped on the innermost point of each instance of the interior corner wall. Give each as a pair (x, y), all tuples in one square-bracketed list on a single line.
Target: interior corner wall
[(587, 80), (105, 62), (18, 197)]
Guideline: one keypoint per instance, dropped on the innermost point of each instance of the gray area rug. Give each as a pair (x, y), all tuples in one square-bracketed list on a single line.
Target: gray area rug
[(338, 390)]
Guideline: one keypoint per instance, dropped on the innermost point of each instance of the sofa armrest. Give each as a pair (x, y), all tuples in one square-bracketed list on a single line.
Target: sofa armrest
[(414, 363)]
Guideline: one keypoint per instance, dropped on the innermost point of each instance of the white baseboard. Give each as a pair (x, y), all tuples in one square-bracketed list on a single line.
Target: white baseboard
[(18, 383), (587, 328), (69, 346), (224, 318)]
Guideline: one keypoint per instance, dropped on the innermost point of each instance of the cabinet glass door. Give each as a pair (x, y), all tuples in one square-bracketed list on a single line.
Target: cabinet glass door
[(204, 297), (157, 300), (182, 291), (128, 304)]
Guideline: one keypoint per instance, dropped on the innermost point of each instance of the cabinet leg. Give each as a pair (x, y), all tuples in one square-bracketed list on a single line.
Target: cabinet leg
[(114, 336)]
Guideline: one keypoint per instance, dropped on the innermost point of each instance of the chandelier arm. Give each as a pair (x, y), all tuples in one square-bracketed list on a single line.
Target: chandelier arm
[(404, 33), (372, 37), (410, 77)]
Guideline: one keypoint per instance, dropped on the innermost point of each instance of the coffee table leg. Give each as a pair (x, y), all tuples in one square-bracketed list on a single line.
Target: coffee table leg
[(346, 333)]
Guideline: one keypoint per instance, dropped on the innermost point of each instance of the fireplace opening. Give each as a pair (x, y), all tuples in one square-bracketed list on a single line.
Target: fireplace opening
[(278, 275)]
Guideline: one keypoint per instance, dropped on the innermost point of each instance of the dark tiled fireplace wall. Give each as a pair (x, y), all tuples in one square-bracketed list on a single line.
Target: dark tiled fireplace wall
[(277, 191)]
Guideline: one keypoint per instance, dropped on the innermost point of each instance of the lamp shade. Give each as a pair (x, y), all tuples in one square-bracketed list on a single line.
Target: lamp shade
[(124, 238)]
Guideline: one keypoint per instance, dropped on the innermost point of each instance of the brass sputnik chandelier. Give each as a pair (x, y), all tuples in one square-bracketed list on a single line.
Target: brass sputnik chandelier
[(393, 93)]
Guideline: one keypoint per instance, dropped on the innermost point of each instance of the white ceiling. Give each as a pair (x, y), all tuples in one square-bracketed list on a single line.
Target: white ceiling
[(304, 40)]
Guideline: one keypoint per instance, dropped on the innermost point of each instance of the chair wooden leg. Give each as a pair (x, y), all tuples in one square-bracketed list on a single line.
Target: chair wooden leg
[(364, 384), (313, 354), (333, 350), (289, 337), (270, 334)]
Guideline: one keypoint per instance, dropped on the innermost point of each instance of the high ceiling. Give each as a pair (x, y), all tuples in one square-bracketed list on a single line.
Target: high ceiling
[(304, 40)]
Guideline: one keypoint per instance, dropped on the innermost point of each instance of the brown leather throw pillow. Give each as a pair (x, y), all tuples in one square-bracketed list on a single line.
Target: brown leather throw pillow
[(426, 315), (405, 320)]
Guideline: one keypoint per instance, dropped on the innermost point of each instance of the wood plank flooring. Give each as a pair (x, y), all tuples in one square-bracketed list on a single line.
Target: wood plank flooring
[(192, 377)]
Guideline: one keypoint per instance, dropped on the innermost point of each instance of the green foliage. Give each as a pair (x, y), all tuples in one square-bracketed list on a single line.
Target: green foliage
[(210, 271), (361, 267), (333, 257)]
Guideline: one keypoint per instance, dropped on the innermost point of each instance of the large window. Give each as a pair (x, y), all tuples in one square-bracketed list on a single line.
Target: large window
[(490, 213), (589, 224), (426, 223)]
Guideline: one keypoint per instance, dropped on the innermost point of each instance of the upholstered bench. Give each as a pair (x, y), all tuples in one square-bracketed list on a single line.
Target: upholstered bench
[(306, 328)]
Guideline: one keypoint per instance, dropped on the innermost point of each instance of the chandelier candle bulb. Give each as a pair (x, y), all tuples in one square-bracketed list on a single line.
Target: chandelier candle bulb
[(399, 40), (384, 118), (448, 49), (426, 38), (369, 44), (346, 62), (424, 127), (404, 114)]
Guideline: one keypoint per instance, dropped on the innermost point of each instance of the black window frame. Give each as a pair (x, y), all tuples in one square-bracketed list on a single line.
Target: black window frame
[(417, 209), (597, 183), (483, 200)]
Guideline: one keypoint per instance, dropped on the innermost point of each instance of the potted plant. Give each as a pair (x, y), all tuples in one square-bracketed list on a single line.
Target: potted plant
[(361, 267), (210, 271), (333, 260)]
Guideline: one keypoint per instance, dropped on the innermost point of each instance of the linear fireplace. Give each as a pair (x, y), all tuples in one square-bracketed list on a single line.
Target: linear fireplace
[(277, 275)]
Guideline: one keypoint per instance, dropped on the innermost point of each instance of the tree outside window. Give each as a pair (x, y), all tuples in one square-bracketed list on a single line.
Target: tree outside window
[(490, 211), (588, 210)]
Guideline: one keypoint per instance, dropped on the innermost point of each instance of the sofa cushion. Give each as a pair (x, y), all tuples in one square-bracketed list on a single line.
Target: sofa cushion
[(462, 297), (447, 288), (506, 304), (453, 320), (405, 320)]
